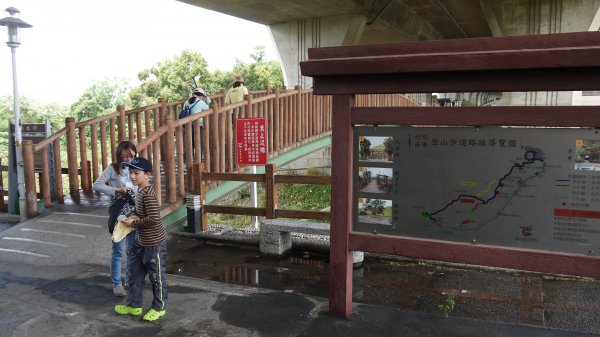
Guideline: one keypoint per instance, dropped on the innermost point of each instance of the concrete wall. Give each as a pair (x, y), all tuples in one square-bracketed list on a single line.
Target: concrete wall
[(533, 17), (293, 38), (318, 159)]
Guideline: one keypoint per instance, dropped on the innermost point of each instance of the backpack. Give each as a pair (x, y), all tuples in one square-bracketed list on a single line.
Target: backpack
[(187, 110)]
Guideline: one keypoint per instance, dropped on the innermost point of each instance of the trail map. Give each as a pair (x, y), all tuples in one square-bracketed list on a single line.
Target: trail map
[(535, 188)]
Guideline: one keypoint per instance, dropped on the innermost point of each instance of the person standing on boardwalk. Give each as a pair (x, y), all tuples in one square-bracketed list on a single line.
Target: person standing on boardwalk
[(198, 102), (236, 93), (149, 252), (115, 182)]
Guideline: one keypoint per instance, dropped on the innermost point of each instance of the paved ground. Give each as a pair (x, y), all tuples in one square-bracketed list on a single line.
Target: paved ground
[(54, 282)]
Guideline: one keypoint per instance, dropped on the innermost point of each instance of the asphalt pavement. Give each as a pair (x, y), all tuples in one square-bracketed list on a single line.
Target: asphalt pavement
[(54, 281)]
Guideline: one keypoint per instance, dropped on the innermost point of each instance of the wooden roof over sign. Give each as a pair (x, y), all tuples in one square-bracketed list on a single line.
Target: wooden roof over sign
[(569, 61)]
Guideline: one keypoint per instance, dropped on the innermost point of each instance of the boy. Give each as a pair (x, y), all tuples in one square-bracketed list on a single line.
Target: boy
[(148, 254)]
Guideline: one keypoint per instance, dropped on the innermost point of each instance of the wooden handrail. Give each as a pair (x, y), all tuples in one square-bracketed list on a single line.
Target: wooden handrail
[(294, 117)]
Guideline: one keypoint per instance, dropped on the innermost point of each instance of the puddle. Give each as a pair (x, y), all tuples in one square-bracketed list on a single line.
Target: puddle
[(303, 272)]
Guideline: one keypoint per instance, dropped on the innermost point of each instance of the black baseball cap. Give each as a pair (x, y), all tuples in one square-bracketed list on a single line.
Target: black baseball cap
[(139, 163)]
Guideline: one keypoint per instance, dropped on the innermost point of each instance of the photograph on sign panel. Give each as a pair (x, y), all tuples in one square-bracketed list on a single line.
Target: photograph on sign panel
[(375, 179), (375, 211), (587, 154), (372, 148)]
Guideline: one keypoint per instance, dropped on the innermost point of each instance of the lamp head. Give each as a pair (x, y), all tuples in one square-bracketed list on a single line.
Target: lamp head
[(13, 22)]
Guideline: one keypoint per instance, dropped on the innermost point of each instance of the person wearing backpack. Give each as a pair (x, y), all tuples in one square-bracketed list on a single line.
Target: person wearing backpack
[(195, 104)]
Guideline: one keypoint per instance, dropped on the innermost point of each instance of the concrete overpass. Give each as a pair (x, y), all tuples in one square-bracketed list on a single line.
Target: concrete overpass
[(298, 25)]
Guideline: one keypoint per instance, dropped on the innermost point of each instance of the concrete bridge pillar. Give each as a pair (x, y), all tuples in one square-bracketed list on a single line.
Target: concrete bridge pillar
[(293, 38), (534, 17)]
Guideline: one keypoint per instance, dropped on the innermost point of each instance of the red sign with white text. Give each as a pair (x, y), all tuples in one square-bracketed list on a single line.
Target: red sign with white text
[(251, 141)]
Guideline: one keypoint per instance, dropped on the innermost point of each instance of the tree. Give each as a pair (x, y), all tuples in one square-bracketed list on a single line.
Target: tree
[(364, 149), (375, 206), (101, 98), (173, 79), (31, 112), (259, 74)]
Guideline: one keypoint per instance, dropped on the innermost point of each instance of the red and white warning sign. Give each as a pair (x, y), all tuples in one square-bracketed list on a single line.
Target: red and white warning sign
[(251, 141)]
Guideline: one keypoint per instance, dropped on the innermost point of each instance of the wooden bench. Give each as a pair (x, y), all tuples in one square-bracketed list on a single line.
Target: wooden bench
[(276, 236)]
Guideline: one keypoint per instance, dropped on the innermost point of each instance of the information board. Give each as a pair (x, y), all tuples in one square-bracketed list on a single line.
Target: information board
[(251, 141), (536, 188)]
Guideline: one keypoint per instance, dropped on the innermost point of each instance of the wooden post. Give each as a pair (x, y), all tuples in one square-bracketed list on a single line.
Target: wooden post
[(340, 257), (276, 122), (229, 141), (206, 141), (30, 192), (94, 143), (45, 185), (121, 111), (159, 120), (195, 181), (249, 107), (271, 191), (58, 181), (130, 130), (2, 205), (113, 141), (222, 143), (103, 145), (296, 120), (138, 132), (86, 185), (148, 130), (72, 158), (179, 159), (170, 161), (156, 166), (214, 138)]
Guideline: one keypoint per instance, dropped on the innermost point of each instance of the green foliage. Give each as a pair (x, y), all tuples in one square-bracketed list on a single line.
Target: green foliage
[(173, 79), (259, 74), (101, 98), (375, 206), (304, 197), (364, 149), (388, 145), (447, 306), (290, 196), (31, 112)]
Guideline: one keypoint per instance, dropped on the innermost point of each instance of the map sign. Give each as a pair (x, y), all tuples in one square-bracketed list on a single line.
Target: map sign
[(536, 188)]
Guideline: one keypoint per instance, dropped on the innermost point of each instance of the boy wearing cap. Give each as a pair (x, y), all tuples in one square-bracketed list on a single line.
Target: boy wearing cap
[(149, 252)]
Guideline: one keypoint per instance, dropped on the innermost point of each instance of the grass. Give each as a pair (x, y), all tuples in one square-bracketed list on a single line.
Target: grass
[(290, 197)]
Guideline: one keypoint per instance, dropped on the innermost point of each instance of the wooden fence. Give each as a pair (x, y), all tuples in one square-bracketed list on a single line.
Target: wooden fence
[(270, 179)]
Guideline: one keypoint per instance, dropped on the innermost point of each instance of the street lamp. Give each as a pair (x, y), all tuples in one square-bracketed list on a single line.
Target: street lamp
[(13, 22)]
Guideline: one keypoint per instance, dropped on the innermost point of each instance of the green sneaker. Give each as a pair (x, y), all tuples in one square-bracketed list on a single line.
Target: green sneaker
[(127, 310), (153, 315)]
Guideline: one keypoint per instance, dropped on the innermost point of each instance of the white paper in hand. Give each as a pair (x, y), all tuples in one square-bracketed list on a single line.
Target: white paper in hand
[(121, 230)]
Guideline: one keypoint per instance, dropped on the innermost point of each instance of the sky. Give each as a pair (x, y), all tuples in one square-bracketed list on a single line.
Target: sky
[(75, 42)]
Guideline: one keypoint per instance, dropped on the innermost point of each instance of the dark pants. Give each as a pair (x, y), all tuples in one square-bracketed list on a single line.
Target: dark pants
[(153, 262)]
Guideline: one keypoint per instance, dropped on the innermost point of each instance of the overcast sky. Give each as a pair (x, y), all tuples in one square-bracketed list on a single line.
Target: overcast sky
[(74, 42)]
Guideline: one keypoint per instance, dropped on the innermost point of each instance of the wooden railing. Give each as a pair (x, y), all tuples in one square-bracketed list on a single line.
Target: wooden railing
[(270, 180), (294, 117)]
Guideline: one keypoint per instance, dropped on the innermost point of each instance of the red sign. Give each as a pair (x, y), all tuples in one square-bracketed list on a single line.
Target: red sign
[(251, 141)]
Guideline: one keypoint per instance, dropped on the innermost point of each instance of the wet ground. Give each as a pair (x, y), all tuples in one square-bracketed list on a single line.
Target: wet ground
[(482, 293)]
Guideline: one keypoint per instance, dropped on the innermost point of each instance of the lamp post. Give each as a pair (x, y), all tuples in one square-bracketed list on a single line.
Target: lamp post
[(14, 23)]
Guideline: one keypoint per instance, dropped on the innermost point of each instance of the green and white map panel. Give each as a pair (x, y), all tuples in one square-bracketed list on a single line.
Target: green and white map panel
[(536, 188)]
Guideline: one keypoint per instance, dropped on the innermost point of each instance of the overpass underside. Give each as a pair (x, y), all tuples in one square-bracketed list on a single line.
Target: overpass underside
[(297, 26)]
